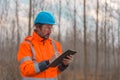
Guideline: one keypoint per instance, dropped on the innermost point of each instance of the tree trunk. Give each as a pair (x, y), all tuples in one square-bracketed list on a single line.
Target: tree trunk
[(74, 28), (59, 30), (105, 42), (113, 46), (85, 43), (97, 41), (119, 48), (30, 11), (17, 22)]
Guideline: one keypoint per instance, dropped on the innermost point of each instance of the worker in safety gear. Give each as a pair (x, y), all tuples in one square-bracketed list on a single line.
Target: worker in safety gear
[(36, 52)]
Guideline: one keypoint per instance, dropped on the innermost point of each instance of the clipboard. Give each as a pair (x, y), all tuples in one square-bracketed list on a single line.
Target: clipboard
[(60, 58)]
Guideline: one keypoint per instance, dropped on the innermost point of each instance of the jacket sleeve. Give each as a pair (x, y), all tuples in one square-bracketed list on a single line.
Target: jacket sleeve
[(26, 65)]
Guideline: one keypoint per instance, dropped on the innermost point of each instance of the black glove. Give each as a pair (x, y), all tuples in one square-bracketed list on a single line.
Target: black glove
[(62, 67)]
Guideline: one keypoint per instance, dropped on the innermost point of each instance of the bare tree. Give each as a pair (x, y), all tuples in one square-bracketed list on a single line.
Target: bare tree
[(33, 8), (97, 40), (17, 22), (105, 41), (113, 45), (59, 30), (74, 28), (30, 12), (119, 47), (85, 43), (118, 50)]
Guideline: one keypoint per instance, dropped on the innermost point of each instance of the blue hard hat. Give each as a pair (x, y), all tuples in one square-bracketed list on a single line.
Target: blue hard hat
[(44, 17)]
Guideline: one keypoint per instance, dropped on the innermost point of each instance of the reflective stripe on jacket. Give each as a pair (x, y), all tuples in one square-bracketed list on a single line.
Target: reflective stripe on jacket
[(39, 79)]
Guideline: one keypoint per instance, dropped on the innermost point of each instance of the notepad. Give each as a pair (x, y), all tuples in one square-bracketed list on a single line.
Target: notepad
[(60, 58)]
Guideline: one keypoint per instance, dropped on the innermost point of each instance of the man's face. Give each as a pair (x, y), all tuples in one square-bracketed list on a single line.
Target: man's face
[(45, 30)]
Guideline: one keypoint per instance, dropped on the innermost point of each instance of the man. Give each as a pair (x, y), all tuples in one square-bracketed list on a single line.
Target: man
[(36, 52)]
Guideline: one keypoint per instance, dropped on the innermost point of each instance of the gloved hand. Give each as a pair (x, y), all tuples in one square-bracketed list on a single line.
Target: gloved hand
[(65, 63), (68, 60), (56, 55)]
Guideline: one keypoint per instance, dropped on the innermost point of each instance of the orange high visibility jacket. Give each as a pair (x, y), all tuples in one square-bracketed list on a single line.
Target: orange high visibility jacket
[(44, 50)]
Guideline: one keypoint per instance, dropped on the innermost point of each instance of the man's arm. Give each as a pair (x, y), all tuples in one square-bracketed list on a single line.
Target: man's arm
[(26, 64)]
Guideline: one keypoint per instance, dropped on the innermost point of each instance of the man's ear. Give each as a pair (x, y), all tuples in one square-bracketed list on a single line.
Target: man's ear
[(37, 28)]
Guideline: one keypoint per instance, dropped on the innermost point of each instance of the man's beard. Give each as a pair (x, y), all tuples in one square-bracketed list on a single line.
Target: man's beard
[(46, 36)]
